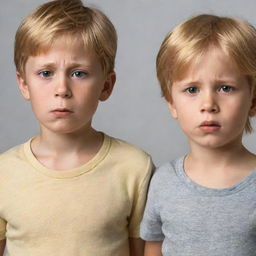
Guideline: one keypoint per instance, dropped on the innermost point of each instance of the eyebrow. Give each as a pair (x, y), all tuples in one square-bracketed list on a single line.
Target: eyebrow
[(217, 81), (225, 81), (70, 66)]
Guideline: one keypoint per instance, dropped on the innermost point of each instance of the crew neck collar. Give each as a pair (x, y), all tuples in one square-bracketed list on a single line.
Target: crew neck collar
[(246, 181), (62, 174)]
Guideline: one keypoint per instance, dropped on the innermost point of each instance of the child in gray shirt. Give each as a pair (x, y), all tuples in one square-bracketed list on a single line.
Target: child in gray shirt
[(204, 203)]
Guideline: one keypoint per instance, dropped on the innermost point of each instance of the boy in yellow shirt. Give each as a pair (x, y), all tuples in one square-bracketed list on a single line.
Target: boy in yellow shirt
[(71, 190)]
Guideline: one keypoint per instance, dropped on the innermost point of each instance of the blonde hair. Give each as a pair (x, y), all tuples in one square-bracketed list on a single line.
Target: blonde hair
[(51, 20), (192, 38)]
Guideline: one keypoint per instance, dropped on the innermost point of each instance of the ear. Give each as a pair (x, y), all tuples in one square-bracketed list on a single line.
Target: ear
[(108, 86), (172, 109), (252, 111), (23, 86)]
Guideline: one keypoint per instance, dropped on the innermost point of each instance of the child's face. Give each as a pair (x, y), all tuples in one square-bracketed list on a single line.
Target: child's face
[(64, 86), (212, 101)]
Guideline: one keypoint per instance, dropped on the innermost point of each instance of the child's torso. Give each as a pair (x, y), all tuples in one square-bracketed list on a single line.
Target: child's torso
[(201, 221)]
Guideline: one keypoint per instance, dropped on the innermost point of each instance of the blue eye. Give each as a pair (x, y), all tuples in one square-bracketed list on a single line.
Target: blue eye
[(192, 90), (226, 88), (45, 73), (79, 74)]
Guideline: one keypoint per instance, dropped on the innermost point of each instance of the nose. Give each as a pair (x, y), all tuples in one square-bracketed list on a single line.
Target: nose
[(209, 104), (62, 88)]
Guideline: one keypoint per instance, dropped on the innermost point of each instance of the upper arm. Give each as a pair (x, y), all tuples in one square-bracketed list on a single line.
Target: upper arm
[(2, 246), (151, 225), (153, 248), (139, 199), (2, 236), (136, 246)]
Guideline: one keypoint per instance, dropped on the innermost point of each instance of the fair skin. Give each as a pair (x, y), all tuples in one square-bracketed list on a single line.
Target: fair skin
[(68, 82), (153, 248), (211, 102), (2, 246), (64, 86), (136, 246)]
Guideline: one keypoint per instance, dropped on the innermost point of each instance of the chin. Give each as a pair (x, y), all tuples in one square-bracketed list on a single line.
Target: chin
[(66, 126), (218, 143), (61, 128)]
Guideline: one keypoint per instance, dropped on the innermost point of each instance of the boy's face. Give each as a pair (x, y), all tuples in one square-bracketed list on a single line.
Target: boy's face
[(212, 101), (64, 86)]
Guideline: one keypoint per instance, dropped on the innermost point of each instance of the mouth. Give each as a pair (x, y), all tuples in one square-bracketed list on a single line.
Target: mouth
[(210, 126), (210, 123), (61, 112)]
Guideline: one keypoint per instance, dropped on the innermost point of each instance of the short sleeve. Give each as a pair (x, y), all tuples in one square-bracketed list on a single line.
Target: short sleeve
[(139, 203), (2, 229), (151, 225)]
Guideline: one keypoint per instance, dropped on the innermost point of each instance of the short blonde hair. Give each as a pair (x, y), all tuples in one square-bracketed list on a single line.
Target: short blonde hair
[(192, 38), (41, 28)]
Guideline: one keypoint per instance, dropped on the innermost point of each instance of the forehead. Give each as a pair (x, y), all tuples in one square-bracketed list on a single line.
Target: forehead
[(214, 63), (66, 42), (64, 49)]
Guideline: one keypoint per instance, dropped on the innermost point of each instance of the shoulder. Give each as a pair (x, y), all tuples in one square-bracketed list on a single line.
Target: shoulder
[(129, 158), (13, 158), (126, 151), (166, 174), (11, 162), (15, 153), (165, 170)]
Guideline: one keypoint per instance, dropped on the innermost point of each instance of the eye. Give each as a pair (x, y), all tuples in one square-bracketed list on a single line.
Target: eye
[(226, 88), (192, 90), (45, 73), (79, 74)]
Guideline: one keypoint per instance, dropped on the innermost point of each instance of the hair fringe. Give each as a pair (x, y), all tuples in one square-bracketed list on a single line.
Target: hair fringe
[(193, 37)]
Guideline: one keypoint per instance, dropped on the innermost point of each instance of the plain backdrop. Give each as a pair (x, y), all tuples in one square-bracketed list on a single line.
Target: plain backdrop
[(136, 112)]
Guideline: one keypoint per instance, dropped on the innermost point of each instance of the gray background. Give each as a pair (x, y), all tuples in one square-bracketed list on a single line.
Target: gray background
[(135, 112)]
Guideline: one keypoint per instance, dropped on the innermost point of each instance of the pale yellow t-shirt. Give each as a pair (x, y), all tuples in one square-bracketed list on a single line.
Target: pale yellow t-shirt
[(87, 211)]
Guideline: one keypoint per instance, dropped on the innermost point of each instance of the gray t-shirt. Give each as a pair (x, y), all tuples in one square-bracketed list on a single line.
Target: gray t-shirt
[(193, 220)]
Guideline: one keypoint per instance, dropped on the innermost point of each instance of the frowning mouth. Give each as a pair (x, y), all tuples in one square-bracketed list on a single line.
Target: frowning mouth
[(210, 126), (210, 123), (62, 112)]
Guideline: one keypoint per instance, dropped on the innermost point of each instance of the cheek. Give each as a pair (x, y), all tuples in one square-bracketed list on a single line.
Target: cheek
[(87, 98), (187, 117), (40, 90), (40, 100), (186, 110), (236, 115), (238, 109), (87, 93), (44, 96)]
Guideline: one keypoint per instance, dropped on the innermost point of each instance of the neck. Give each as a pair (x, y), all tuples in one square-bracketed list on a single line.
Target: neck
[(221, 156), (48, 142), (220, 167)]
